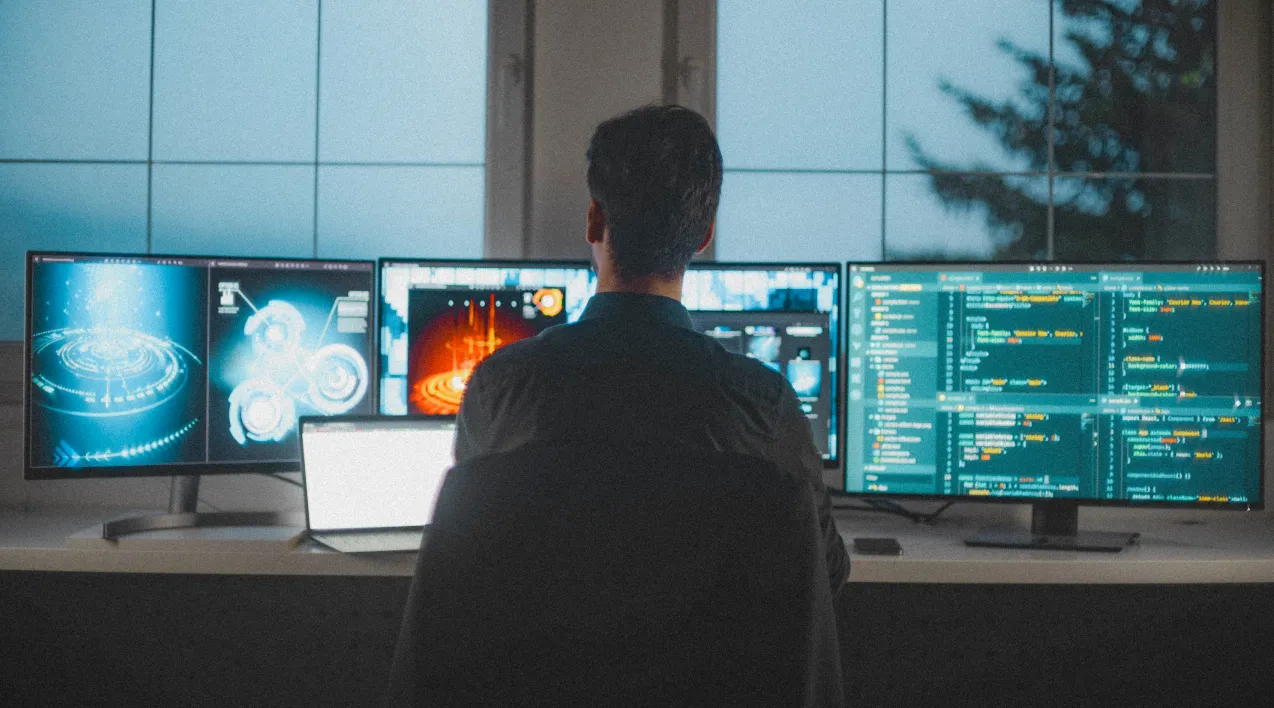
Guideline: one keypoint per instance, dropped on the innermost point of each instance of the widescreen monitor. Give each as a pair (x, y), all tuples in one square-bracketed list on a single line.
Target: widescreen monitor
[(440, 318), (785, 316), (1106, 384), (158, 365)]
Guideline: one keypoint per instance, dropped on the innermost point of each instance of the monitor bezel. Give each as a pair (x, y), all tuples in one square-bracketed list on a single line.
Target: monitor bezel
[(833, 463), (1252, 505), (355, 418), (168, 469), (384, 261), (483, 262)]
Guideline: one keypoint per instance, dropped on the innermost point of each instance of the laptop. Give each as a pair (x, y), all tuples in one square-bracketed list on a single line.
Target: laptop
[(371, 481)]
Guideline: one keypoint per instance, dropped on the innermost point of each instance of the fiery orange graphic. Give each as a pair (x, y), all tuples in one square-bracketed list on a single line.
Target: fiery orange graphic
[(454, 342), (549, 301)]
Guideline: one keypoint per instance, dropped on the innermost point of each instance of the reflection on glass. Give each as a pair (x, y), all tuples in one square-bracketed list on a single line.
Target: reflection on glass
[(403, 81), (235, 81), (1129, 219), (798, 217), (799, 84), (968, 85), (965, 217), (233, 210), (64, 208), (1136, 86), (74, 79), (406, 212)]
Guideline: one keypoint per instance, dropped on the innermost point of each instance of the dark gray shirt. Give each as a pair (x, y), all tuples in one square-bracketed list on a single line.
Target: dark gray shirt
[(633, 368)]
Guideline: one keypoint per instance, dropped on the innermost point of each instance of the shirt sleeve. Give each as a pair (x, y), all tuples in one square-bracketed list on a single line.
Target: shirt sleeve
[(795, 442)]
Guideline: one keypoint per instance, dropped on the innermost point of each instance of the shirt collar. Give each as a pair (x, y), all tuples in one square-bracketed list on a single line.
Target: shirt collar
[(638, 306)]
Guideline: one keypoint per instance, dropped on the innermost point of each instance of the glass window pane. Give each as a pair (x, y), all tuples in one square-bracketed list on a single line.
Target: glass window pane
[(1136, 90), (404, 81), (64, 208), (968, 85), (799, 84), (74, 79), (410, 212), (1121, 219), (973, 217), (232, 210), (235, 80), (798, 217)]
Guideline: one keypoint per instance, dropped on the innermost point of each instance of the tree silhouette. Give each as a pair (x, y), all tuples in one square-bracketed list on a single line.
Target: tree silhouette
[(1141, 100)]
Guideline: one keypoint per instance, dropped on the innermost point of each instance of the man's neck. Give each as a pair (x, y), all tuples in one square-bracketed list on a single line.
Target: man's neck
[(647, 285)]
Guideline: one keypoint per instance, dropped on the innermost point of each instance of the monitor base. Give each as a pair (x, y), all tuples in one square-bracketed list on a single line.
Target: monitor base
[(112, 530), (1096, 541)]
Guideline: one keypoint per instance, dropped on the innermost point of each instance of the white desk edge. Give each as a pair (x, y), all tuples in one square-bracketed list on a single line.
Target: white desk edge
[(1228, 550)]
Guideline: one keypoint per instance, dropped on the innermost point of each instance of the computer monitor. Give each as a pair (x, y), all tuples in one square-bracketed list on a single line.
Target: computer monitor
[(173, 365), (1101, 384), (440, 318), (785, 316)]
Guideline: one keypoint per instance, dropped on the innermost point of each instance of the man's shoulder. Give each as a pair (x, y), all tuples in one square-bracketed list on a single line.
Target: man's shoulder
[(518, 357), (756, 377)]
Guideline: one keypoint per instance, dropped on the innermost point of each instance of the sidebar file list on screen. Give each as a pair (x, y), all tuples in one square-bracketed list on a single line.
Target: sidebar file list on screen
[(374, 478)]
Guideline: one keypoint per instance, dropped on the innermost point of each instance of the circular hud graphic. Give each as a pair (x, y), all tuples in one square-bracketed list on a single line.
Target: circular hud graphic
[(442, 393), (338, 378), (106, 372), (275, 328), (285, 374), (260, 411)]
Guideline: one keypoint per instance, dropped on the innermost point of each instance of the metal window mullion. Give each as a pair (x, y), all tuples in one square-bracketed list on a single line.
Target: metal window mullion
[(510, 25)]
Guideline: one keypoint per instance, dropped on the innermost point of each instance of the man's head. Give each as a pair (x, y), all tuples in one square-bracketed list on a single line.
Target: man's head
[(654, 175)]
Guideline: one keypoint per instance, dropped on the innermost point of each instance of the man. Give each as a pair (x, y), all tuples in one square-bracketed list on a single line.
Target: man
[(633, 368)]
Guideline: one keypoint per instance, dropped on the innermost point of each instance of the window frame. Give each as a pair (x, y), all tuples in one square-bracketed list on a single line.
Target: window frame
[(1245, 188), (1245, 125), (510, 75), (508, 113)]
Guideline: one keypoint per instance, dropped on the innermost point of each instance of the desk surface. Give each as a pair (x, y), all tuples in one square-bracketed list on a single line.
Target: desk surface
[(1227, 548)]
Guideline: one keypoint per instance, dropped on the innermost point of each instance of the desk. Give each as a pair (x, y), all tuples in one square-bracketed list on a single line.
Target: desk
[(1185, 618), (1226, 548)]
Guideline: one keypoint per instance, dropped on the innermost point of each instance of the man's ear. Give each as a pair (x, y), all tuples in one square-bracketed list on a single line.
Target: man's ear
[(712, 230), (596, 223)]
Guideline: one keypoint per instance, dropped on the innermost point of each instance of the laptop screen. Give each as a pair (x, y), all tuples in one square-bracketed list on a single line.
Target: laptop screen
[(374, 473)]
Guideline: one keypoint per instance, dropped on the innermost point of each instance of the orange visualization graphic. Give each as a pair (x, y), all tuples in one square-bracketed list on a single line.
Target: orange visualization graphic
[(452, 332)]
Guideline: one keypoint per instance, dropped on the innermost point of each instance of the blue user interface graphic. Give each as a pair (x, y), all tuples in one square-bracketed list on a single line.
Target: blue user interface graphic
[(784, 317), (117, 364), (805, 376), (284, 344), (151, 361)]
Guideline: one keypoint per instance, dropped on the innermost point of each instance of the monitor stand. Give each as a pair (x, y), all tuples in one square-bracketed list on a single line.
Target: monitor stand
[(1054, 526), (182, 501)]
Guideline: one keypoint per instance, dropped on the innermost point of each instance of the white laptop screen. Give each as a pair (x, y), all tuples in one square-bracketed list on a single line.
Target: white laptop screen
[(375, 473)]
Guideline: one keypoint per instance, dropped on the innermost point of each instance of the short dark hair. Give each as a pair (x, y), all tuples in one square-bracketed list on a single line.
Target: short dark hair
[(655, 172)]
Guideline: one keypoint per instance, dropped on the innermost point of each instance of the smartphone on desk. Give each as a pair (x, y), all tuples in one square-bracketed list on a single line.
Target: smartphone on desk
[(877, 547)]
